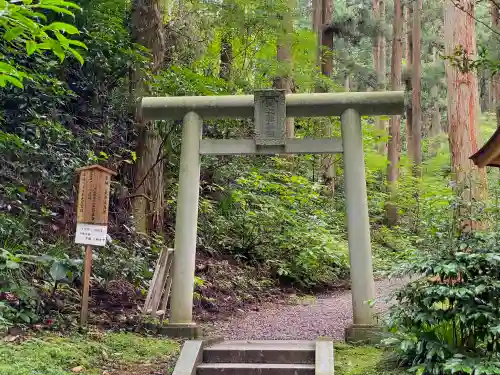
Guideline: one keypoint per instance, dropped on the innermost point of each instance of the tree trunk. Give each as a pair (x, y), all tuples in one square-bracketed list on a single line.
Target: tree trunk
[(148, 203), (284, 57), (463, 101), (226, 57), (317, 7), (327, 38), (379, 56), (495, 17), (325, 50), (347, 82), (408, 77), (395, 121), (436, 113), (375, 41), (416, 130)]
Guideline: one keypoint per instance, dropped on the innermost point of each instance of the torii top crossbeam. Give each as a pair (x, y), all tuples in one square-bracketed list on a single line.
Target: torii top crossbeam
[(297, 105)]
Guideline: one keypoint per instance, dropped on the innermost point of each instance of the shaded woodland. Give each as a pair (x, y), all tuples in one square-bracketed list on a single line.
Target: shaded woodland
[(71, 76)]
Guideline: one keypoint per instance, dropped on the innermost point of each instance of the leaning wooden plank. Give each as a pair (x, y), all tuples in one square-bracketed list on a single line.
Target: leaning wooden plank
[(153, 282), (166, 274), (160, 283), (168, 285)]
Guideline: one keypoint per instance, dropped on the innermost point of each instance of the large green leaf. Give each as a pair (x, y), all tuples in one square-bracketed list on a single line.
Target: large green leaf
[(62, 27), (30, 47), (13, 33), (58, 271)]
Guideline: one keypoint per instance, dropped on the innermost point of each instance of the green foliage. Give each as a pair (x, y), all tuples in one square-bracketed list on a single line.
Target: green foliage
[(364, 360), (446, 320), (282, 221), (96, 352), (25, 25)]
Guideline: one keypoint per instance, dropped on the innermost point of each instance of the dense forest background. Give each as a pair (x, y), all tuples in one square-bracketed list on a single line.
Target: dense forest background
[(71, 77)]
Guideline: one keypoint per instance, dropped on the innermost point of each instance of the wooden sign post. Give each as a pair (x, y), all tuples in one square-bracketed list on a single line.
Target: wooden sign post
[(92, 220)]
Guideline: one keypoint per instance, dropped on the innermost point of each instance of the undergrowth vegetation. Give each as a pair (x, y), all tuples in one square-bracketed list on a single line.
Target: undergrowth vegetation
[(447, 319), (94, 354)]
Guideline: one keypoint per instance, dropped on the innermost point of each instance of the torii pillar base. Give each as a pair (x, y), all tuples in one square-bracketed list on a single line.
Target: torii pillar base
[(364, 334), (190, 331)]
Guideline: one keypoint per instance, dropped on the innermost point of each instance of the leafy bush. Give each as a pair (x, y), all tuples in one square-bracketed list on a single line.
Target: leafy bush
[(447, 320), (281, 220)]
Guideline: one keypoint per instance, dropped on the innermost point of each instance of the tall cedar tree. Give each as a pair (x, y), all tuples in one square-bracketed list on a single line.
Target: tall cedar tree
[(416, 76), (463, 101), (393, 146), (148, 203), (408, 76), (322, 20), (495, 18), (284, 57), (379, 60)]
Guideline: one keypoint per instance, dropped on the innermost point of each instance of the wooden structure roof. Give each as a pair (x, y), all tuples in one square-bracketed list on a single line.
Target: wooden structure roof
[(489, 154), (98, 167)]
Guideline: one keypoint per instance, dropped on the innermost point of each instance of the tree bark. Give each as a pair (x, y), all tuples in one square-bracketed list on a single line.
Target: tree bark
[(463, 101), (148, 204), (395, 121), (317, 6), (436, 113), (495, 18), (226, 57), (408, 77), (284, 57), (325, 36), (379, 57), (375, 41), (416, 130)]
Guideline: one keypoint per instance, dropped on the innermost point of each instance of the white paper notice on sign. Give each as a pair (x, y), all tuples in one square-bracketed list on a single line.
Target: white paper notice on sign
[(91, 234)]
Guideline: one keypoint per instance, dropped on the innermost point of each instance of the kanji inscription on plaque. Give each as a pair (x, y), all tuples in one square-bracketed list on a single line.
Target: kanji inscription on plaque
[(93, 202), (269, 116)]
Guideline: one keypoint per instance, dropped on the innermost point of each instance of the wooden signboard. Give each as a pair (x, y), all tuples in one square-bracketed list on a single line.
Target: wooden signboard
[(92, 220), (93, 203)]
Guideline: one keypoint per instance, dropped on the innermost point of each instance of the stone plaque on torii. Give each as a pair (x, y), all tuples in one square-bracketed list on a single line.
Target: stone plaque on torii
[(269, 108), (269, 124)]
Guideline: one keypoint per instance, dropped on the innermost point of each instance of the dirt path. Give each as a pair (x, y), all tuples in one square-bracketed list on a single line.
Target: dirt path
[(325, 316)]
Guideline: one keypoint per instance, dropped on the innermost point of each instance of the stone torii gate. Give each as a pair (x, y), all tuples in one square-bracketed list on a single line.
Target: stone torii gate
[(269, 108)]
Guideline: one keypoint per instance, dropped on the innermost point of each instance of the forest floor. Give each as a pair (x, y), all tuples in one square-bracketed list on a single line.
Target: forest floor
[(301, 318), (101, 352)]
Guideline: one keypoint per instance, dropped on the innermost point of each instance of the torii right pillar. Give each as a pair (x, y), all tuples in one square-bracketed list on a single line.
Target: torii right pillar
[(363, 328)]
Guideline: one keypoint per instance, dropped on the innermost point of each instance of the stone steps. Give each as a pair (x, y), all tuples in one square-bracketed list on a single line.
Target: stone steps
[(275, 357), (255, 369), (280, 352)]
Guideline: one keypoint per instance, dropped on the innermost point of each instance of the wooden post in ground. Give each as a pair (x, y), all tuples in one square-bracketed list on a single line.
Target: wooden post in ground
[(92, 221), (87, 267)]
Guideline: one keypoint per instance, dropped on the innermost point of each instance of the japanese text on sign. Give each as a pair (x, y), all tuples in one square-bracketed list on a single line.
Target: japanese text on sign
[(91, 234)]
